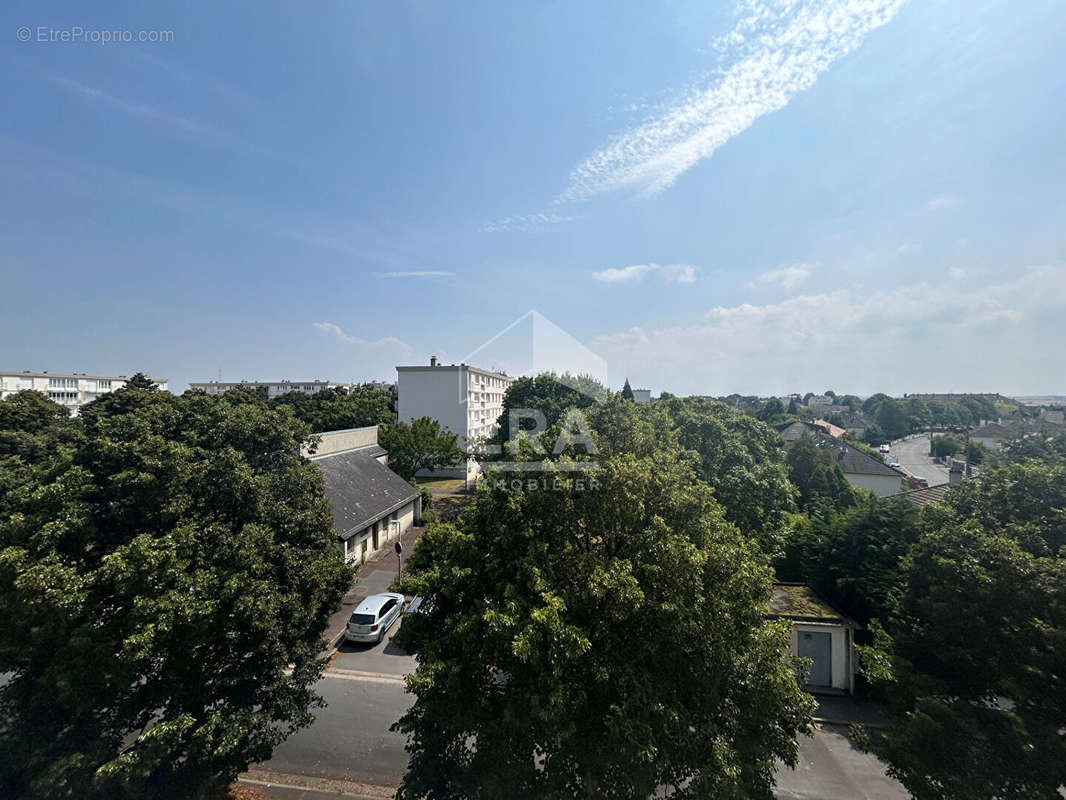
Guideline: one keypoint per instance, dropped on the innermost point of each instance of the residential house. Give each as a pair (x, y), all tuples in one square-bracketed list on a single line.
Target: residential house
[(819, 632), (992, 435), (372, 505), (865, 471)]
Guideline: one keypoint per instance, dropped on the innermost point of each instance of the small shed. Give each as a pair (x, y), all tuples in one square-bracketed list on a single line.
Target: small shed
[(819, 632)]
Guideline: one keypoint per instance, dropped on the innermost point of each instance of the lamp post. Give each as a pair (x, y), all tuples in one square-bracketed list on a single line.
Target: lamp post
[(399, 558)]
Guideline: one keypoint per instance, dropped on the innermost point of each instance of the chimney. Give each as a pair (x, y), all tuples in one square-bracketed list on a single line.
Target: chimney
[(433, 361), (956, 472)]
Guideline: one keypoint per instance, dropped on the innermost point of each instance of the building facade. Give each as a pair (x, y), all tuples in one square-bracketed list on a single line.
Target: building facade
[(467, 400), (274, 388), (72, 391), (820, 633), (372, 505), (641, 395)]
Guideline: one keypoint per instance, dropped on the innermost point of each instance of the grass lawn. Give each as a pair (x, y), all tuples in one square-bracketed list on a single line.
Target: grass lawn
[(443, 484)]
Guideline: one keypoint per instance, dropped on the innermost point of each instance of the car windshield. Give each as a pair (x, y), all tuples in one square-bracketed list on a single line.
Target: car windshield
[(362, 619)]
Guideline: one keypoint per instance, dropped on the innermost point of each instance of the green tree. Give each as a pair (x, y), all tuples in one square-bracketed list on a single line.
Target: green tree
[(873, 402), (944, 446), (979, 644), (891, 418), (167, 566), (532, 681), (743, 461), (793, 406), (773, 410), (141, 381), (972, 656), (816, 477), (547, 394), (421, 444), (918, 415), (337, 408), (627, 392)]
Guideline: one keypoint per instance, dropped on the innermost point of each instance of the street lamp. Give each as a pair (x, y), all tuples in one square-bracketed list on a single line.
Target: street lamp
[(399, 558)]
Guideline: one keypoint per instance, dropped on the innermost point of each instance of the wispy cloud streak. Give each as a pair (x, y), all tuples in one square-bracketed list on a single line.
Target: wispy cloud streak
[(635, 273), (335, 331), (777, 49), (526, 222)]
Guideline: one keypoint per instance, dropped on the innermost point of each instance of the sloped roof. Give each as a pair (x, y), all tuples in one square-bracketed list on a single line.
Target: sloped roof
[(991, 430), (855, 462), (798, 601), (361, 490), (927, 496), (833, 430)]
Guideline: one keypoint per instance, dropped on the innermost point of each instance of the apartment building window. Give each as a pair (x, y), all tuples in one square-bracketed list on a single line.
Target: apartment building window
[(103, 386), (62, 383)]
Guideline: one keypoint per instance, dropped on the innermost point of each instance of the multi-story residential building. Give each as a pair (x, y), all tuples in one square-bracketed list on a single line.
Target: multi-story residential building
[(69, 390), (641, 395), (465, 399), (274, 388)]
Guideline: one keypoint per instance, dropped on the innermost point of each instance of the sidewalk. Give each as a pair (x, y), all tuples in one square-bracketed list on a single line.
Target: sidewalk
[(371, 578)]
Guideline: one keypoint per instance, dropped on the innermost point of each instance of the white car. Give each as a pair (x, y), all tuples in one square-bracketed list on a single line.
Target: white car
[(373, 618)]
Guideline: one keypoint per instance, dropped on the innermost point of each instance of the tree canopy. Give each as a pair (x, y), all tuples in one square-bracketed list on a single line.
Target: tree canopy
[(971, 651), (742, 460), (421, 444), (337, 408), (600, 639), (167, 566)]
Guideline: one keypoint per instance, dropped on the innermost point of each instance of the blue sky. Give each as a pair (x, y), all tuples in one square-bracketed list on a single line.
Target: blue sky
[(763, 196)]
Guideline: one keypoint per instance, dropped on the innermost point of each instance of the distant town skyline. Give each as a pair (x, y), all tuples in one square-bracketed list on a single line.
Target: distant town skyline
[(756, 196)]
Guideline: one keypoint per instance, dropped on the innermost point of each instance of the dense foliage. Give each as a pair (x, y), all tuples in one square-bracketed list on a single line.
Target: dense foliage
[(597, 640), (166, 568), (422, 444), (742, 460), (332, 409)]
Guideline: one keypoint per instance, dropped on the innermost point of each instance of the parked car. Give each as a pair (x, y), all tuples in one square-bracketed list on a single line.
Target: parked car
[(885, 448), (373, 618)]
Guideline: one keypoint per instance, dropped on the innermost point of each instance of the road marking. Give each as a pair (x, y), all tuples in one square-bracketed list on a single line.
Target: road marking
[(284, 780), (359, 675)]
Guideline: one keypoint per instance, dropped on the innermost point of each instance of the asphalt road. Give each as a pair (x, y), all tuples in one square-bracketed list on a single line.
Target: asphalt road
[(913, 456)]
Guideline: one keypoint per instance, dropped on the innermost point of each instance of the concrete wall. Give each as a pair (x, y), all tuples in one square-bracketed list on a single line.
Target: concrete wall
[(439, 394), (843, 662), (387, 534), (881, 485), (339, 441)]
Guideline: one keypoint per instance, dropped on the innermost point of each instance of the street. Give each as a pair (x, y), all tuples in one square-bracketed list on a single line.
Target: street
[(349, 751), (913, 457)]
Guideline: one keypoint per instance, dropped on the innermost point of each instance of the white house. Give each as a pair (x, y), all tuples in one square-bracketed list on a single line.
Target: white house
[(641, 395), (820, 633), (71, 391), (372, 505), (991, 435), (467, 400)]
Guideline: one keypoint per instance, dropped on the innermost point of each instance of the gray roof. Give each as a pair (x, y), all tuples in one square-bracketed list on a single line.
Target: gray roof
[(855, 462), (928, 495), (361, 490), (799, 602)]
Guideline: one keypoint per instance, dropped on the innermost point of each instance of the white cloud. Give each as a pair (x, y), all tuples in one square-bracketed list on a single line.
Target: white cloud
[(942, 201), (635, 273), (918, 337), (957, 272), (424, 273), (335, 331), (526, 222), (786, 277), (777, 49)]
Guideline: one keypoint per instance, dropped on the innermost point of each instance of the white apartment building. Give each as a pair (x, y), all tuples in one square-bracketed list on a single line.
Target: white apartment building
[(466, 400), (274, 388), (72, 391)]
